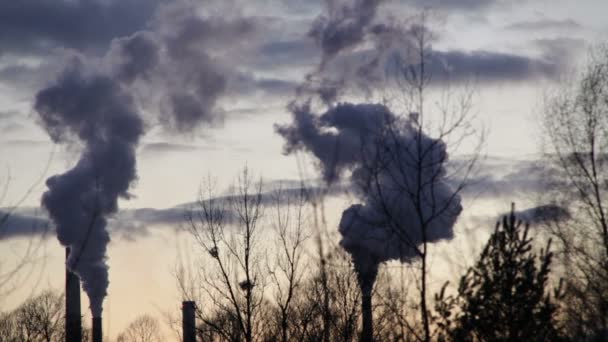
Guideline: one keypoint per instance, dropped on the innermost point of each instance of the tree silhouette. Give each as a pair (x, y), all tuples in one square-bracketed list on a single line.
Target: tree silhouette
[(39, 318), (144, 328), (576, 125), (503, 297)]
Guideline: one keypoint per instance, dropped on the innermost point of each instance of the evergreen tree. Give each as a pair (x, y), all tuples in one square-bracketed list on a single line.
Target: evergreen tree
[(503, 297)]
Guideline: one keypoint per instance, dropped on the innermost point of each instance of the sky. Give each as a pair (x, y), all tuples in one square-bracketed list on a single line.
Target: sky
[(209, 81)]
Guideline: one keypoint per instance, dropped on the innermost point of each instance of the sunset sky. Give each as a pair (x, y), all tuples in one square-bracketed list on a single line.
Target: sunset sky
[(252, 55)]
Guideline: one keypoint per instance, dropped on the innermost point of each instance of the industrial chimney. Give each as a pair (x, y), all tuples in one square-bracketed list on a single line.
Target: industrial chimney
[(97, 335), (188, 321), (73, 319)]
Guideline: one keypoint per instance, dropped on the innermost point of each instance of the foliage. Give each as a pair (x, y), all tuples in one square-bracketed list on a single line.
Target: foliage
[(503, 297)]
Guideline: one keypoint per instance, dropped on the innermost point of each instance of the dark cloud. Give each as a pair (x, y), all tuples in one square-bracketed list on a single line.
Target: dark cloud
[(165, 147), (24, 143), (247, 84), (543, 214), (545, 24), (20, 75), (441, 66), (135, 223), (301, 7), (461, 5), (489, 66), (24, 80), (508, 178), (287, 54), (15, 224), (35, 26)]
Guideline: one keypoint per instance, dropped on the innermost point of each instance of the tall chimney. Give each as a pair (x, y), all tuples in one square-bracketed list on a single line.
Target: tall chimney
[(97, 336), (188, 321), (73, 319)]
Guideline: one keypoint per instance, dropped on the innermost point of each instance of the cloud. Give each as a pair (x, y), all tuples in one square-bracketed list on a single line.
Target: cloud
[(11, 122), (23, 80), (543, 214), (462, 5), (561, 50), (502, 177), (489, 66), (25, 143), (165, 147), (132, 224), (14, 224), (35, 26), (243, 84), (287, 54), (454, 65), (8, 114), (545, 24)]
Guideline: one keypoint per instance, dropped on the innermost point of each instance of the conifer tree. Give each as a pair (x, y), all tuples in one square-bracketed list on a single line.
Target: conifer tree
[(504, 296)]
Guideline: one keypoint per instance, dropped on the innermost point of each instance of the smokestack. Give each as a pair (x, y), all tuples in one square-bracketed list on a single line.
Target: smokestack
[(97, 336), (188, 321), (73, 320)]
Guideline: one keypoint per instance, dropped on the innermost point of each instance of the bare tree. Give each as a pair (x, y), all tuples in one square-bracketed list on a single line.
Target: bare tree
[(308, 322), (39, 318), (576, 124), (289, 223), (144, 328), (438, 120), (12, 275), (228, 230)]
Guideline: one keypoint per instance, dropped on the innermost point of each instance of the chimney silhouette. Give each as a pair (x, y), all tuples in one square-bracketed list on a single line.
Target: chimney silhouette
[(188, 321), (73, 318), (97, 335)]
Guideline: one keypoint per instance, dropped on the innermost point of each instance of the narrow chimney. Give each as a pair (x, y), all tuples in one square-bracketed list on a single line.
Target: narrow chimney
[(97, 335), (73, 319), (188, 321)]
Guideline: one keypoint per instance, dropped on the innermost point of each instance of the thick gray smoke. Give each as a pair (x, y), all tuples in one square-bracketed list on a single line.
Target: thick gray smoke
[(98, 112), (98, 105), (177, 63), (397, 173), (345, 25), (356, 43)]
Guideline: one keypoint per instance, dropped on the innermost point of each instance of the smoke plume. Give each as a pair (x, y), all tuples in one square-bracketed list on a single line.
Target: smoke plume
[(100, 114), (396, 170), (356, 41), (344, 26), (97, 104), (397, 173), (175, 67)]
